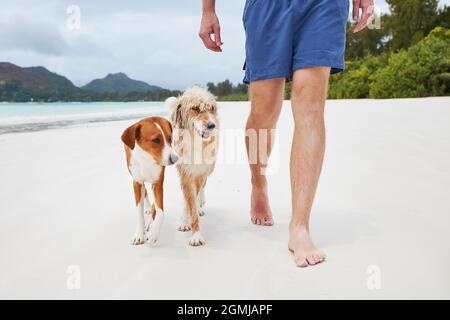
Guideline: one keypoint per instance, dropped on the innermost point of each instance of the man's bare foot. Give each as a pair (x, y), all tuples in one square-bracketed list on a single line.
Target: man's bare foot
[(305, 252), (260, 212)]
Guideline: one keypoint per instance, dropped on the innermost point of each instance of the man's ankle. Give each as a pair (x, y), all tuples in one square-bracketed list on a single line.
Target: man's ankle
[(298, 226), (259, 183)]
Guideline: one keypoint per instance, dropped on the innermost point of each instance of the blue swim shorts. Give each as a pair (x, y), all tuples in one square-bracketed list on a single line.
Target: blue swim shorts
[(286, 35)]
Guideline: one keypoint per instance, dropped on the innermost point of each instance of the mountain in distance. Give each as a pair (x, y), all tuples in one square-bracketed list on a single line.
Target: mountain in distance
[(119, 83), (37, 84), (34, 78)]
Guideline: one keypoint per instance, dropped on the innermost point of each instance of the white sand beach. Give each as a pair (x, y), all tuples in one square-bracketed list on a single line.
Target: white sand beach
[(382, 207)]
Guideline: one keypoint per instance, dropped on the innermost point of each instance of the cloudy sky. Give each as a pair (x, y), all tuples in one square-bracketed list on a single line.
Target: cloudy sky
[(151, 40)]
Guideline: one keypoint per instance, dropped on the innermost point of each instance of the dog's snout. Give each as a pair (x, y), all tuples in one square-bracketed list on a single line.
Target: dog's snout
[(210, 125), (173, 158)]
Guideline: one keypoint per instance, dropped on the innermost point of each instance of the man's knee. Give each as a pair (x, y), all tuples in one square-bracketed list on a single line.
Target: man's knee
[(265, 108), (310, 84), (266, 97), (308, 97), (307, 101), (265, 112), (309, 92)]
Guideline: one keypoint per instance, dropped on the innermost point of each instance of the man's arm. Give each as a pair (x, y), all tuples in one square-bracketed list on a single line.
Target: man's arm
[(367, 8), (210, 25)]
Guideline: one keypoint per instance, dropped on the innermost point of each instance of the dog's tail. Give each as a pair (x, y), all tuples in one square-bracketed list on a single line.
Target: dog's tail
[(171, 104)]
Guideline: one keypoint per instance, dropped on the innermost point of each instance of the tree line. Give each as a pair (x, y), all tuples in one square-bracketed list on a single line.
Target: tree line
[(13, 91), (406, 58)]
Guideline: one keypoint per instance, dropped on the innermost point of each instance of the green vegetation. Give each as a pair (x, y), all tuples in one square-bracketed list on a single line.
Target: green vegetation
[(118, 82), (39, 84), (407, 58), (410, 21), (14, 92), (354, 82), (419, 71), (226, 91)]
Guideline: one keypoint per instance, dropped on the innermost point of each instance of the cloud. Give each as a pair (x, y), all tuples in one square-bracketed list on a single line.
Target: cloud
[(155, 41), (20, 33)]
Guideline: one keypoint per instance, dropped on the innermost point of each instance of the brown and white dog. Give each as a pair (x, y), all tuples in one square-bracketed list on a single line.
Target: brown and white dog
[(148, 149), (195, 121)]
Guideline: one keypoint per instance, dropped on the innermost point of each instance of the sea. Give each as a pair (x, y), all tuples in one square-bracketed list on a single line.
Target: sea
[(26, 117)]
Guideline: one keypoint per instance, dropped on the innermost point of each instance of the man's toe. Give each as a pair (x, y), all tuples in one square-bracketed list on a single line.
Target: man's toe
[(322, 255), (317, 258), (311, 260), (301, 262)]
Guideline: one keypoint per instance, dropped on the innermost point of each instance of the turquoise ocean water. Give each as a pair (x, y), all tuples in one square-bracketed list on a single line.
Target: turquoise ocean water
[(24, 117)]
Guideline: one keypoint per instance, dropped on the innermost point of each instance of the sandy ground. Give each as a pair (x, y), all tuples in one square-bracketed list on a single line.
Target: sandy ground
[(382, 214)]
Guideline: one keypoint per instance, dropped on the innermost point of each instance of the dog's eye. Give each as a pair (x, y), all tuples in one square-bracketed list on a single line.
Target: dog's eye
[(196, 109), (156, 140)]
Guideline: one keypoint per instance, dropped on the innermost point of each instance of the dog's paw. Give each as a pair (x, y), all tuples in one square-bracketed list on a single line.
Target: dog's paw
[(153, 234), (196, 240), (183, 227), (152, 238), (137, 239)]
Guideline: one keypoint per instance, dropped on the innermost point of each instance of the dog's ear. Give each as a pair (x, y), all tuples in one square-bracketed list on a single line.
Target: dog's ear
[(177, 117), (171, 104), (130, 135)]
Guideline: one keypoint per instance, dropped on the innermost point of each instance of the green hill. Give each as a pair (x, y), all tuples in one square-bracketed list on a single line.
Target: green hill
[(35, 83), (118, 82), (19, 84)]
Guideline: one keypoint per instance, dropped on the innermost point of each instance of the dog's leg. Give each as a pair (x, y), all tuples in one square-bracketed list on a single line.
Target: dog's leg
[(185, 219), (147, 203), (149, 210), (151, 218), (158, 219), (200, 183), (138, 237), (201, 196), (191, 204)]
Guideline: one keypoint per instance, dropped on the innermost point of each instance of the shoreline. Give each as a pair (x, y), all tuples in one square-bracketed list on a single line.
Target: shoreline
[(70, 121), (37, 126), (18, 118)]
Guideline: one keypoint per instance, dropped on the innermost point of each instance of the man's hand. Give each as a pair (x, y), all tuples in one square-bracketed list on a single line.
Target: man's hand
[(367, 8), (210, 26)]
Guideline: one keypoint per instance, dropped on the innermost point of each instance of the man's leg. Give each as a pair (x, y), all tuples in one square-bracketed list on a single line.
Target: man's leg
[(309, 91), (266, 98)]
